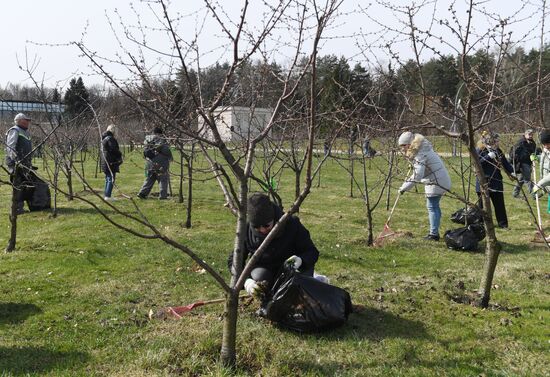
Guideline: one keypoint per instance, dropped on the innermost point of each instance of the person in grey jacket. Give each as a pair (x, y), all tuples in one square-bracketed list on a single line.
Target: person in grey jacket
[(19, 158), (157, 167), (429, 170)]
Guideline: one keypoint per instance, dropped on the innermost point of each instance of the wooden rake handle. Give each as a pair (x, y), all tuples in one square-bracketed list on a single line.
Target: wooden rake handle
[(392, 209)]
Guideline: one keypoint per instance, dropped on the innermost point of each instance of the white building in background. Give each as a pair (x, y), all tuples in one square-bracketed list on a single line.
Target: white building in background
[(236, 123)]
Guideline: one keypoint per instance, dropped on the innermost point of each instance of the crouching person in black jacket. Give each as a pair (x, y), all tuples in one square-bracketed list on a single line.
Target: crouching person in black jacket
[(292, 245)]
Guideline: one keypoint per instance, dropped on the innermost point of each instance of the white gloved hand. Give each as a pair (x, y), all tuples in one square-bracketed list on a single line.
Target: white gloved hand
[(294, 261), (538, 191), (252, 287), (321, 278), (492, 155)]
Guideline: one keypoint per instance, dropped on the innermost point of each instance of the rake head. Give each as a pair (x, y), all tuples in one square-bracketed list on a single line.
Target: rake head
[(386, 232)]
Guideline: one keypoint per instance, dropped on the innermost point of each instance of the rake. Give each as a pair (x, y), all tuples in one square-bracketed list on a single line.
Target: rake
[(387, 231), (178, 311)]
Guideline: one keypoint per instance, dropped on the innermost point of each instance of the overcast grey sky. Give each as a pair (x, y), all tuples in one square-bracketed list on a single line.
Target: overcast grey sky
[(36, 33)]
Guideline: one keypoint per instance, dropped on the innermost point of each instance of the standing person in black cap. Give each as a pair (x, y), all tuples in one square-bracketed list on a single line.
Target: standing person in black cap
[(293, 244), (19, 158), (157, 155), (522, 157)]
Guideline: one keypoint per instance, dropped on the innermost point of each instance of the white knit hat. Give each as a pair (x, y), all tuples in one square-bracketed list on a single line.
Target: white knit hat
[(111, 128), (406, 138)]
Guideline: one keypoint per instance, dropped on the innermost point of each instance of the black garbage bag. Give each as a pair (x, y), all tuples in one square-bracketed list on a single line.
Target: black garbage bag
[(469, 215), (304, 304), (39, 197), (465, 238)]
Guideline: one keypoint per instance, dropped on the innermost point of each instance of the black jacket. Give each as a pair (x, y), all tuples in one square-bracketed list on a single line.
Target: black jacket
[(293, 239), (491, 168), (522, 151), (161, 155), (111, 158)]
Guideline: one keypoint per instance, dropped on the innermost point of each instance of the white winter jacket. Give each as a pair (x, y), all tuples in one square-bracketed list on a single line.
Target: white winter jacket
[(544, 159), (429, 169)]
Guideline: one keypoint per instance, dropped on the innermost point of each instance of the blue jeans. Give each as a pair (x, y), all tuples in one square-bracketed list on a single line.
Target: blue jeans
[(109, 182), (434, 213)]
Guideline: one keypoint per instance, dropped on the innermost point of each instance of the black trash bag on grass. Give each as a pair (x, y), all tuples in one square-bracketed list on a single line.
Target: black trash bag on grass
[(465, 238), (302, 303), (469, 215), (41, 197)]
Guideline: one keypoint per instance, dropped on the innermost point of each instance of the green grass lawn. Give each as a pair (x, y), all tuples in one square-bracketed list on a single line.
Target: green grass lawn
[(75, 294)]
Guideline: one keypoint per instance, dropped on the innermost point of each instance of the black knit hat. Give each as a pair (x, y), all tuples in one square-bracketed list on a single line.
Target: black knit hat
[(545, 136), (157, 130), (260, 210)]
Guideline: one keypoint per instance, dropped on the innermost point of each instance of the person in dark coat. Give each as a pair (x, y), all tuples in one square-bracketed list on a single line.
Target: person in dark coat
[(19, 159), (293, 244), (111, 159), (492, 160), (157, 164), (524, 153)]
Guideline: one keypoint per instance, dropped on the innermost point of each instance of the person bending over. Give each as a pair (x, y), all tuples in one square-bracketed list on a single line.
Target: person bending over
[(292, 245), (429, 170)]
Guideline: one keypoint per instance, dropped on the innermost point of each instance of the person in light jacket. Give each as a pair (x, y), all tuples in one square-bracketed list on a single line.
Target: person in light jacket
[(541, 187), (19, 159), (429, 170)]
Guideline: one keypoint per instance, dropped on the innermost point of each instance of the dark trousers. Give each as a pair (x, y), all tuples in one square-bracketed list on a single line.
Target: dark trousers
[(23, 186), (524, 176), (497, 198), (153, 176)]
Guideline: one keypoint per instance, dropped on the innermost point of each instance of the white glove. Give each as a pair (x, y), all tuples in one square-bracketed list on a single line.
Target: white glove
[(294, 261), (538, 191), (492, 155), (252, 287), (321, 278)]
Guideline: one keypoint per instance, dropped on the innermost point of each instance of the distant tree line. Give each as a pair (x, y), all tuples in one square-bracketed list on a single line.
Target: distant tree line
[(364, 96)]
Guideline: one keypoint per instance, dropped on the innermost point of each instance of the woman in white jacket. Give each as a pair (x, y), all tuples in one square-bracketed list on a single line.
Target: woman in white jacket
[(429, 170), (541, 187)]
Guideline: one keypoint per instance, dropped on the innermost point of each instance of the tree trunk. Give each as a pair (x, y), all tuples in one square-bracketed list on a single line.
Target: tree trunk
[(180, 188), (492, 252), (491, 258), (493, 248), (351, 155), (70, 180), (189, 189), (229, 338), (13, 220), (370, 236), (297, 174), (55, 191)]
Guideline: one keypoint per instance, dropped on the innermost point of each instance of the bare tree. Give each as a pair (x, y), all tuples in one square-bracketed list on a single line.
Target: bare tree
[(307, 20), (481, 51)]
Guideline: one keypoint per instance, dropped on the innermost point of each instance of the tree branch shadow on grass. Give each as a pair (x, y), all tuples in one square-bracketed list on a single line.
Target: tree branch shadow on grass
[(15, 312), (34, 360), (519, 248), (87, 210)]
